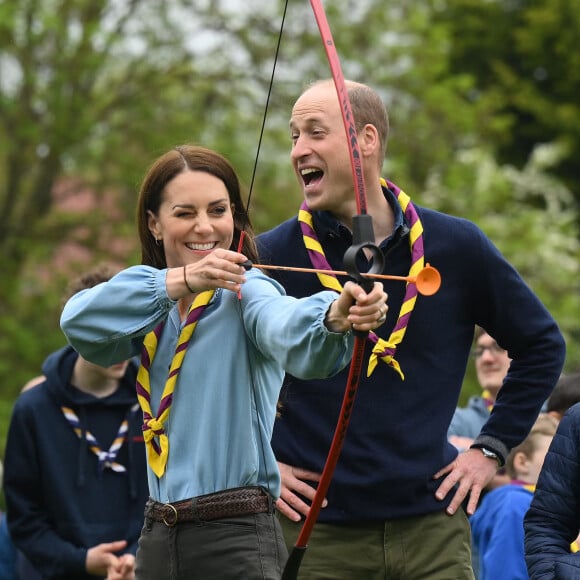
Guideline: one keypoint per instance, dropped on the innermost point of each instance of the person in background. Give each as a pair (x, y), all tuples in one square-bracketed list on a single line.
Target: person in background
[(491, 367), (565, 394), (552, 523), (215, 341), (399, 483), (32, 383), (75, 478), (8, 553), (497, 524), (7, 549)]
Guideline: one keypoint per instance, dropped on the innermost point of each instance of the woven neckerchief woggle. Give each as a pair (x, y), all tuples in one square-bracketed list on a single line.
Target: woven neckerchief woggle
[(383, 350), (156, 439)]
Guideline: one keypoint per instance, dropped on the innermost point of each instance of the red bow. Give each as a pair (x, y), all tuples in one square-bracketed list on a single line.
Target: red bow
[(363, 237)]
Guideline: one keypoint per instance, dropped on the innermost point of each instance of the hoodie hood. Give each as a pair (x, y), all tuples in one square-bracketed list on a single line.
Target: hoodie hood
[(58, 369), (60, 498)]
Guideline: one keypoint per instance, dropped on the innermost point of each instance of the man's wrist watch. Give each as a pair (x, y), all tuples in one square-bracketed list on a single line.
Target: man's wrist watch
[(491, 454)]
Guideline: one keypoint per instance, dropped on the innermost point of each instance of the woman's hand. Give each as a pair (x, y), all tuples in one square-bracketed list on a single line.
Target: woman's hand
[(220, 269), (356, 309)]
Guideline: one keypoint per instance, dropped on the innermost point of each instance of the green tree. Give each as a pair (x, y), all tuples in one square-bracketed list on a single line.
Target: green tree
[(525, 58), (92, 90), (532, 218)]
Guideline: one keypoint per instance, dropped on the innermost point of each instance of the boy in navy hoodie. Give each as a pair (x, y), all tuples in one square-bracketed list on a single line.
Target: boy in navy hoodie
[(75, 477)]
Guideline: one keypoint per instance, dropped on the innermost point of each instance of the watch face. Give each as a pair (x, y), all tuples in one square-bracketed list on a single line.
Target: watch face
[(491, 454)]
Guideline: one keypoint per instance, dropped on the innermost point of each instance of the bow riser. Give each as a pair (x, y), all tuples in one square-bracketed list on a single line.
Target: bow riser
[(363, 238)]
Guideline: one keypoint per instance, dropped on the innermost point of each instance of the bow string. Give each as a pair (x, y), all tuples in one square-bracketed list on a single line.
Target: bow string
[(363, 238)]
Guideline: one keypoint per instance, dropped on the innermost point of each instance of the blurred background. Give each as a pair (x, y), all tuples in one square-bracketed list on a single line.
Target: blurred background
[(483, 99)]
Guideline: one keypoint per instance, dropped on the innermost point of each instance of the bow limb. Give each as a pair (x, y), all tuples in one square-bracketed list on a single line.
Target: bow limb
[(363, 237), (299, 549)]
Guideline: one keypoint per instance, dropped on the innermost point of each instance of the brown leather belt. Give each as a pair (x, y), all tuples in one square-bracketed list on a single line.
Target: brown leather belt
[(214, 506)]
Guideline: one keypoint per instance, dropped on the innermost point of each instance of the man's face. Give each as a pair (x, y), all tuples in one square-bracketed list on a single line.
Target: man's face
[(491, 363), (320, 154)]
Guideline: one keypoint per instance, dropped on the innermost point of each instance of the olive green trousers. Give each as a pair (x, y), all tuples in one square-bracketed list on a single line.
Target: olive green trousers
[(431, 547)]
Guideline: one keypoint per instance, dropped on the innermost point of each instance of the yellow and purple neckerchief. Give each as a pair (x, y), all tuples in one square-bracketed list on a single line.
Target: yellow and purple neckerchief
[(106, 459), (531, 487), (383, 350), (154, 434), (489, 402)]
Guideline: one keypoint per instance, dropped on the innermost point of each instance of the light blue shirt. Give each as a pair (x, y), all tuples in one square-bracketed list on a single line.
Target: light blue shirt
[(224, 403), (468, 421)]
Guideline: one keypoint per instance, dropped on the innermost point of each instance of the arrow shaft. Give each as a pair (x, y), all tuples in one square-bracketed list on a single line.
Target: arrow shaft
[(333, 272)]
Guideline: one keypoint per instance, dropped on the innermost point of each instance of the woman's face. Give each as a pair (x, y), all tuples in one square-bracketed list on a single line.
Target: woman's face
[(195, 217)]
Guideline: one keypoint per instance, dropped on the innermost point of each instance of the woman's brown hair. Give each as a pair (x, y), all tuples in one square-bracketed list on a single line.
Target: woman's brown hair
[(162, 171)]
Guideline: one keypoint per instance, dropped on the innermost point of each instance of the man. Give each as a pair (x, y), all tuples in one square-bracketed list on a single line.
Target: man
[(75, 478), (393, 505), (491, 366)]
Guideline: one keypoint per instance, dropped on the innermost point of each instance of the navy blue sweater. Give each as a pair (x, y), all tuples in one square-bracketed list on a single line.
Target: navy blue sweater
[(397, 438), (58, 505)]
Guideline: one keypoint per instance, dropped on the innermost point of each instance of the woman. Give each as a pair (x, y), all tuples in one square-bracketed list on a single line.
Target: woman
[(209, 398)]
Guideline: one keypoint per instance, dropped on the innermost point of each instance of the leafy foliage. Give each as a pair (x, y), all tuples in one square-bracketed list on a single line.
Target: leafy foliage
[(482, 99), (525, 60), (530, 216)]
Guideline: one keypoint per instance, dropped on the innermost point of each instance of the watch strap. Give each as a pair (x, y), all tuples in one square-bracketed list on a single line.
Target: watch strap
[(491, 453)]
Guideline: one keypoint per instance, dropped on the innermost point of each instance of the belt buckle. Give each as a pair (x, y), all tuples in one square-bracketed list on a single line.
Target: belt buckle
[(170, 524)]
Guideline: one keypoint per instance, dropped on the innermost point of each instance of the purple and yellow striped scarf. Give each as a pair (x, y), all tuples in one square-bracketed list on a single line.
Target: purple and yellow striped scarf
[(154, 434), (383, 350)]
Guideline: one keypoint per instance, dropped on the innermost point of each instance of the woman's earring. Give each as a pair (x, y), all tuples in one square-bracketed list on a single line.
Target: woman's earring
[(159, 241)]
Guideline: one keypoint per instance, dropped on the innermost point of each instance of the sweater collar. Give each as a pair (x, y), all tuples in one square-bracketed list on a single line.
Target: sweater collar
[(328, 226)]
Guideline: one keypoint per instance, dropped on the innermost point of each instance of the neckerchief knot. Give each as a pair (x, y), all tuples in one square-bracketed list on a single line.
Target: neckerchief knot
[(385, 351), (153, 427)]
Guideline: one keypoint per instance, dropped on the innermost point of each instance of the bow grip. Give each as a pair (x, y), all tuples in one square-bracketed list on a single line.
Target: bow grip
[(363, 238)]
